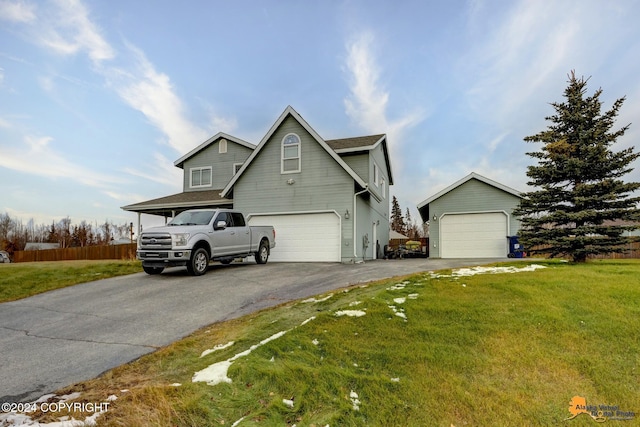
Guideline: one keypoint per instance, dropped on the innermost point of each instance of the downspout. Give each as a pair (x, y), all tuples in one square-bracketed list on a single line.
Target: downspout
[(355, 221)]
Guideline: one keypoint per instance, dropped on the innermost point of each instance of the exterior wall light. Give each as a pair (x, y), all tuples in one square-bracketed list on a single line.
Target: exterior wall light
[(346, 214)]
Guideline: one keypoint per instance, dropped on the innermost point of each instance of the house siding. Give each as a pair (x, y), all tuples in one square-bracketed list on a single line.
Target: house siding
[(471, 197), (221, 164), (321, 185)]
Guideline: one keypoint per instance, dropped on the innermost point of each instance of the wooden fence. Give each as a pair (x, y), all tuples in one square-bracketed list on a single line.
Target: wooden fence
[(127, 251), (632, 250)]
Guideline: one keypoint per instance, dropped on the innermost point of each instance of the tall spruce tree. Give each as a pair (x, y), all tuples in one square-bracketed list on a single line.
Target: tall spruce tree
[(580, 205), (397, 221)]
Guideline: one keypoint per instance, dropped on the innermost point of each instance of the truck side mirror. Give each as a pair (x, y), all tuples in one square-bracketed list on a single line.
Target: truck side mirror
[(220, 225)]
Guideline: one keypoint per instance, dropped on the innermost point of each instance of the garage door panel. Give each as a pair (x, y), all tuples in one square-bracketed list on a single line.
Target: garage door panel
[(477, 235), (313, 237)]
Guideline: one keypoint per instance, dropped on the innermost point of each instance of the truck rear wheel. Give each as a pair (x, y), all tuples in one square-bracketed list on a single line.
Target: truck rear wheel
[(263, 252), (199, 262), (152, 270)]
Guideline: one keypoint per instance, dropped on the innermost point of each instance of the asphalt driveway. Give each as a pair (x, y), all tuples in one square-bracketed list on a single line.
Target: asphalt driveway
[(55, 339)]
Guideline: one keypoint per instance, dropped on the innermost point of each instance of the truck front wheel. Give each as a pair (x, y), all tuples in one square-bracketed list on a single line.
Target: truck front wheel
[(263, 252), (199, 262)]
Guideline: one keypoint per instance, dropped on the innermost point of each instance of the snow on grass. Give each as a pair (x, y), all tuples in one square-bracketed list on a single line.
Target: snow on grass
[(288, 402), (355, 401), (472, 271), (350, 313), (317, 300), (216, 348), (217, 372)]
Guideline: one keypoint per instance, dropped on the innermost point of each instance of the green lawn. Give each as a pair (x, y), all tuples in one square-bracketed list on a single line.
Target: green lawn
[(20, 280), (504, 349)]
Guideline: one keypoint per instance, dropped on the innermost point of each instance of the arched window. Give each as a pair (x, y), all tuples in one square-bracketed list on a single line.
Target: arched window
[(290, 154)]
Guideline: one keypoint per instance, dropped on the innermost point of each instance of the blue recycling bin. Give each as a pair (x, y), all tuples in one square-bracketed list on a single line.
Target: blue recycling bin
[(515, 248)]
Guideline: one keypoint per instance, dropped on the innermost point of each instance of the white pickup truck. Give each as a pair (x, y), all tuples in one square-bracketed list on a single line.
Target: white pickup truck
[(195, 237)]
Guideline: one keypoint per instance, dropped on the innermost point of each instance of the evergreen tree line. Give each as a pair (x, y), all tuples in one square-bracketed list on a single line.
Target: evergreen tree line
[(14, 234), (405, 224)]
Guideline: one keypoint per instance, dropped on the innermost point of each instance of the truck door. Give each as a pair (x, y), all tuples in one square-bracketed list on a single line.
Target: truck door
[(242, 243), (223, 239)]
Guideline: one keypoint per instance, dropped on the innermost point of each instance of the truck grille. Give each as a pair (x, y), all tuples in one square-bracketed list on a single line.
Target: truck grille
[(155, 241)]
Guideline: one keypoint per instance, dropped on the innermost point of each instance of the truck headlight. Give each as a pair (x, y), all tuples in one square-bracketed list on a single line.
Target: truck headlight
[(180, 239)]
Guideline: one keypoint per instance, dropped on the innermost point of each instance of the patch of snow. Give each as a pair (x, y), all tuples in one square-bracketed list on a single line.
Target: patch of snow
[(412, 296), (395, 380), (315, 342), (355, 402), (216, 348), (308, 320), (288, 402), (317, 300), (472, 271), (399, 313), (175, 385), (237, 422), (214, 374), (350, 313), (217, 372), (399, 300), (354, 303)]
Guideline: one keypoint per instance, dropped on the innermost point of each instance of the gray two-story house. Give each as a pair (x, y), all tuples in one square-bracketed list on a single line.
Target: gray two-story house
[(327, 199)]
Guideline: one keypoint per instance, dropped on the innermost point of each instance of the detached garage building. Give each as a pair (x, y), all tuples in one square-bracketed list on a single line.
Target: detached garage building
[(471, 219)]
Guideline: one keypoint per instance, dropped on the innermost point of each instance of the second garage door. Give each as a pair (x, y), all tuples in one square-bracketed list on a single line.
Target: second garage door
[(309, 237), (480, 235)]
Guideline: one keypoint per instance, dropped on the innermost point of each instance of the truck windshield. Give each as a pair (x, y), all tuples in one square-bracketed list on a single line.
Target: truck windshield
[(192, 218)]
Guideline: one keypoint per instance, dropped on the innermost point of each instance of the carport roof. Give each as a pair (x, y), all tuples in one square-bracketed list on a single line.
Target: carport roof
[(165, 206)]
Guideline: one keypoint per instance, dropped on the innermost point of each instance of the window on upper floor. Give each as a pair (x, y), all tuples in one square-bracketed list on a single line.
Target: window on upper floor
[(237, 167), (383, 184), (376, 174), (222, 146), (200, 177), (290, 154)]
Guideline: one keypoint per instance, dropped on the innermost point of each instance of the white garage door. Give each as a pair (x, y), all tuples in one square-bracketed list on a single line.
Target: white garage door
[(304, 237), (482, 235)]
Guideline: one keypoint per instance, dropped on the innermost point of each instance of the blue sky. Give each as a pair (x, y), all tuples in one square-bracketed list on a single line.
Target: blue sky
[(99, 98)]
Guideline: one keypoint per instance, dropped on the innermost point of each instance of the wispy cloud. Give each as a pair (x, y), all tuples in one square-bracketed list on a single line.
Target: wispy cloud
[(17, 11), (36, 155), (163, 172), (65, 27), (368, 100), (151, 92)]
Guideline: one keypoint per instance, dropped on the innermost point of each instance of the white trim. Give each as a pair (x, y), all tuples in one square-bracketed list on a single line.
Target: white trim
[(376, 174), (384, 188), (298, 157), (361, 148), (290, 111), (201, 169), (472, 175), (210, 141), (333, 211)]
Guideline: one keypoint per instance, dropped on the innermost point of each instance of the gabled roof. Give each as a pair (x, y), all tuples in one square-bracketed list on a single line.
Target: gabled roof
[(363, 143), (471, 176), (210, 141), (289, 111)]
